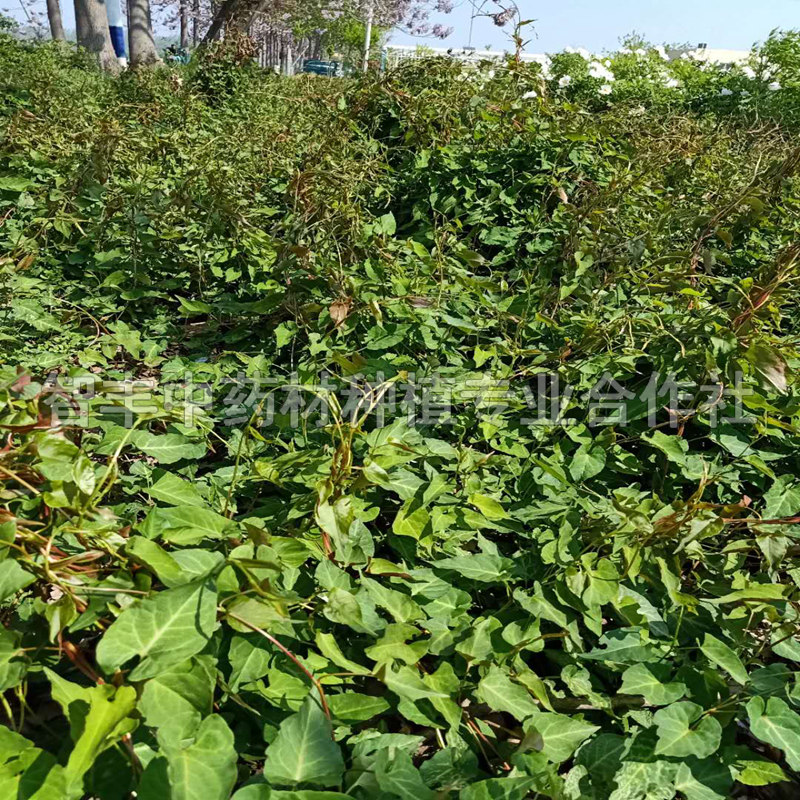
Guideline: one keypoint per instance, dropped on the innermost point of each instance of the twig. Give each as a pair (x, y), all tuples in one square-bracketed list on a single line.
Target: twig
[(506, 766)]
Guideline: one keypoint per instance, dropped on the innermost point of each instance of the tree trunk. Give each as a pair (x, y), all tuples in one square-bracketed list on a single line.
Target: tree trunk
[(232, 14), (54, 16), (91, 24), (81, 31), (140, 34), (184, 12), (195, 22), (224, 13)]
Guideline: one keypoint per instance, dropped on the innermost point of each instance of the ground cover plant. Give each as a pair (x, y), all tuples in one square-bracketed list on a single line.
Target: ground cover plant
[(427, 435)]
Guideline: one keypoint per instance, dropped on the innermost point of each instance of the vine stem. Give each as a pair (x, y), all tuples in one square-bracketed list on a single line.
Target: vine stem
[(478, 733), (756, 521), (19, 480), (286, 652)]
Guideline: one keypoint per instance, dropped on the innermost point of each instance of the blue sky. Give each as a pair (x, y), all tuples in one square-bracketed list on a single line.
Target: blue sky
[(598, 24)]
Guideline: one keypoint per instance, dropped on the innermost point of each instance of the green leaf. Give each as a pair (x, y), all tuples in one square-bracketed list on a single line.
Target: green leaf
[(175, 491), (406, 683), (14, 183), (602, 757), (194, 308), (500, 693), (587, 462), (392, 646), (723, 656), (402, 607), (249, 659), (478, 646), (385, 338), (65, 693), (13, 664), (488, 506), (284, 333), (674, 448), (99, 717), (556, 735), (499, 789), (637, 780), (343, 607), (684, 731), (153, 556), (178, 698), (770, 366), (783, 498), (643, 679), (775, 723), (186, 525), (304, 750), (706, 779), (396, 775), (13, 578), (330, 649), (387, 224), (350, 707), (622, 646), (28, 773), (483, 567), (169, 448), (603, 583), (757, 591), (412, 520), (751, 769), (203, 767), (760, 773), (261, 791), (162, 630)]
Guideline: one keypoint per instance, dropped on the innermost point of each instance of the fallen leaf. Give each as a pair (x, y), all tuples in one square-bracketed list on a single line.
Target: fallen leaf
[(339, 310)]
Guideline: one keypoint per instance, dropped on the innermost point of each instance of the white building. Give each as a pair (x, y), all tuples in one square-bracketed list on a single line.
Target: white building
[(395, 53), (717, 56)]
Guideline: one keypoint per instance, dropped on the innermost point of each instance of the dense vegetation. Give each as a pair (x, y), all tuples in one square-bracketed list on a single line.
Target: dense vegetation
[(285, 511)]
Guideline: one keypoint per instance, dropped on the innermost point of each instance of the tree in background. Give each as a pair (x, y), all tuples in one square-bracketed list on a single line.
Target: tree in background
[(189, 18), (92, 29), (7, 24), (284, 31), (91, 24), (306, 28), (35, 26), (54, 17), (196, 22), (183, 16), (140, 34)]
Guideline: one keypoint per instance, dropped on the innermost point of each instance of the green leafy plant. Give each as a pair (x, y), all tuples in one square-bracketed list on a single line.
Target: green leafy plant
[(423, 435)]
